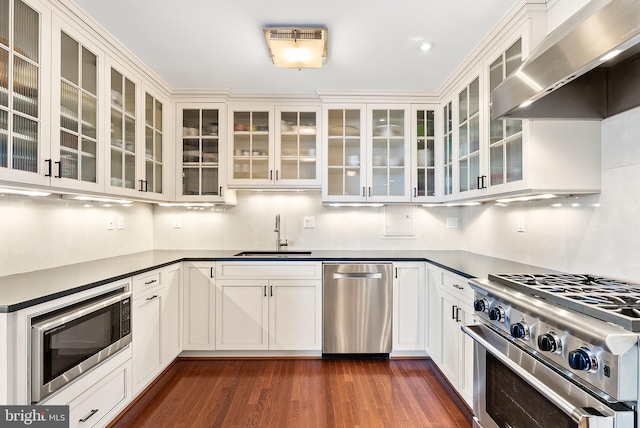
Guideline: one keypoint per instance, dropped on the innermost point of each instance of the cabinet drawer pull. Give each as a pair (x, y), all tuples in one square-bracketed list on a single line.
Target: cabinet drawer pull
[(150, 282), (152, 297), (458, 287), (86, 418)]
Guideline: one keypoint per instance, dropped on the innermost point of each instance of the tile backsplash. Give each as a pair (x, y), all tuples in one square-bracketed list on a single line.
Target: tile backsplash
[(593, 233)]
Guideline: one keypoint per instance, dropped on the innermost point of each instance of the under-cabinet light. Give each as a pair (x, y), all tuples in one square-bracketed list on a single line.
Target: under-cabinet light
[(340, 205), (454, 204), (611, 54), (526, 198), (89, 198), (187, 204), (5, 191)]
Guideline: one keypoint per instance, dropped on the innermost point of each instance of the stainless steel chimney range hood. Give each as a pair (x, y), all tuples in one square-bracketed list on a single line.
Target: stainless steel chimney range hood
[(566, 76)]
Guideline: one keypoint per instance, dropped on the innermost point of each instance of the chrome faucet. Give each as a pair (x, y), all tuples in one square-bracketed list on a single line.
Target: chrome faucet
[(279, 243)]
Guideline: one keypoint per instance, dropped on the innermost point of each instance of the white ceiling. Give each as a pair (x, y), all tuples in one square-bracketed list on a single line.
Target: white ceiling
[(373, 44)]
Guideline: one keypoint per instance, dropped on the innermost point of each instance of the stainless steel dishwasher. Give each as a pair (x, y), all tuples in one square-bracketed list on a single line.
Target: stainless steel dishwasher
[(357, 309)]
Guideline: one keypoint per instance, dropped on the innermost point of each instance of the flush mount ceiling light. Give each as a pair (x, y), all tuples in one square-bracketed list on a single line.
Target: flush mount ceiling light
[(297, 47)]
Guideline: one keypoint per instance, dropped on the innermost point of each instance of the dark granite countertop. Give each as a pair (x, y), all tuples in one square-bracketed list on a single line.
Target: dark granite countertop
[(27, 289)]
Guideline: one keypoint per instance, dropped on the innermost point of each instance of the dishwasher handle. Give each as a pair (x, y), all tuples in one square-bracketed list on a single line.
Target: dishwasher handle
[(357, 275)]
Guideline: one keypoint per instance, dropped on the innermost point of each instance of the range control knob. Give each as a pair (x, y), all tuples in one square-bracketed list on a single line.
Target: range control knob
[(550, 342), (520, 330), (496, 314), (583, 359), (481, 305)]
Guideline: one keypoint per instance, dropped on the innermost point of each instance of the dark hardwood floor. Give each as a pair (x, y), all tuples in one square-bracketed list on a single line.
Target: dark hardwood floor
[(298, 393)]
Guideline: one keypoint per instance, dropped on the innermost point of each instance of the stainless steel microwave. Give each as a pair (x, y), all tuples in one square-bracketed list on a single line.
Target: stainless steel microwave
[(68, 342)]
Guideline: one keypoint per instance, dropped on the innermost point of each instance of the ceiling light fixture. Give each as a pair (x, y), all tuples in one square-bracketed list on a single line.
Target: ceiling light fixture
[(425, 46), (297, 47)]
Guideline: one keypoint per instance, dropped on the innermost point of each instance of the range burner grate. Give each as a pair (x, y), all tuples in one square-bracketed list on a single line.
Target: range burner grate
[(607, 299)]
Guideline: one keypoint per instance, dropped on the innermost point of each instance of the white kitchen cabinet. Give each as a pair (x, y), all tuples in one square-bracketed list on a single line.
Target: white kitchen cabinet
[(156, 325), (268, 314), (100, 395), (409, 301), (425, 125), (433, 343), (136, 150), (201, 152), (274, 146), (269, 306), (199, 306), (456, 309), (171, 309), (367, 153), (24, 93)]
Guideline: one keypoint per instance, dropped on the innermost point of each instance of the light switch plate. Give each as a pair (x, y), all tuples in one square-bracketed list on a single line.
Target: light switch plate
[(111, 223), (309, 222), (120, 222), (520, 223)]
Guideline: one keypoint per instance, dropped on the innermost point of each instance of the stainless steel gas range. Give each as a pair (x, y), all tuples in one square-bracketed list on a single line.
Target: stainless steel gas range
[(555, 350)]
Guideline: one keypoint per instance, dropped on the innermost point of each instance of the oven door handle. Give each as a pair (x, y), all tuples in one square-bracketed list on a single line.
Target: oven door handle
[(578, 414)]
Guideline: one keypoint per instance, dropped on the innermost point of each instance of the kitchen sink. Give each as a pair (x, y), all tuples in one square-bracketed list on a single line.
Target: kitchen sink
[(273, 253)]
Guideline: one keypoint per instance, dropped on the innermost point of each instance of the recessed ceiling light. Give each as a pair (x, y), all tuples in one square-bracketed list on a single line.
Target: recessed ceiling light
[(425, 46)]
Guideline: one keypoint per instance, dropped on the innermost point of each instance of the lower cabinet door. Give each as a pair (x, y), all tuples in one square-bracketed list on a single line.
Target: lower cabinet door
[(242, 315), (94, 407), (147, 351), (295, 317)]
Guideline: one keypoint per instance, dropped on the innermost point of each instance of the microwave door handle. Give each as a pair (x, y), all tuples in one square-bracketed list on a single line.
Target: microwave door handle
[(79, 312), (579, 415)]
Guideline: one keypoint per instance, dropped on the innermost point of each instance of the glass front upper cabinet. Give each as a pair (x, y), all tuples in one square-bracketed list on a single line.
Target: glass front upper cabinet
[(389, 155), (469, 137), (201, 152), (251, 147), (153, 137), (19, 87), (344, 154), (79, 154), (424, 143), (505, 140), (297, 147), (123, 131), (447, 134)]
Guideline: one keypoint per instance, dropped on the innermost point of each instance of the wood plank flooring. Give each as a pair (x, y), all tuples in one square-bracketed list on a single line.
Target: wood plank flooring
[(292, 393)]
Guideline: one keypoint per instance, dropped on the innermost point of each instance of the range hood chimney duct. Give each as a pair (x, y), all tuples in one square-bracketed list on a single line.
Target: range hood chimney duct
[(566, 77)]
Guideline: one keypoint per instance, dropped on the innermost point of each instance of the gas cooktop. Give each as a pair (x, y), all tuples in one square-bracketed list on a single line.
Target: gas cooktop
[(607, 299)]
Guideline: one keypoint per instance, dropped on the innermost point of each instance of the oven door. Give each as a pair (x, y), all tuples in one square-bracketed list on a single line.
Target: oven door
[(514, 389)]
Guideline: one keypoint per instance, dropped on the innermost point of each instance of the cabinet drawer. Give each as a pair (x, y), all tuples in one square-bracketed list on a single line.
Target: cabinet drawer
[(145, 281), (88, 409), (268, 270), (457, 286)]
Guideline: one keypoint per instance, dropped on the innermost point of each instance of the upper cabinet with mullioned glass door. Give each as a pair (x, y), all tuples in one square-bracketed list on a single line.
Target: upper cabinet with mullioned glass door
[(424, 121), (528, 157), (368, 155), (136, 138), (201, 151), (297, 143), (77, 136), (471, 178), (274, 147), (24, 105)]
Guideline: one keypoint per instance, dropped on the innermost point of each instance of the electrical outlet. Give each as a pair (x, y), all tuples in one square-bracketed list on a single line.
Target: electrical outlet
[(177, 224), (309, 222)]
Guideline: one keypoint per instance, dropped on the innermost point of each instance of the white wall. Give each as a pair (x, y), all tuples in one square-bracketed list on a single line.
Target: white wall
[(250, 225), (596, 234), (38, 233)]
